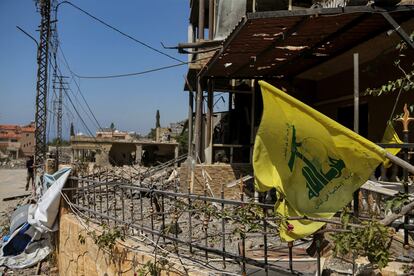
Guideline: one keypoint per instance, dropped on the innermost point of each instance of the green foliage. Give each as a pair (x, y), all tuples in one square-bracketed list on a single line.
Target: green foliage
[(81, 238), (345, 217), (182, 141), (371, 241), (55, 142), (149, 268), (405, 82), (397, 202), (112, 126), (408, 269), (151, 134), (107, 238), (157, 119), (72, 130)]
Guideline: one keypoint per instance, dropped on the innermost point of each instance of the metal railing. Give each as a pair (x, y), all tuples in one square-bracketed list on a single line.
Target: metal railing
[(236, 233)]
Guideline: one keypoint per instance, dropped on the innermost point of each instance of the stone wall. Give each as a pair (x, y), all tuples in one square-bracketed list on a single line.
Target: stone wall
[(76, 258), (221, 174)]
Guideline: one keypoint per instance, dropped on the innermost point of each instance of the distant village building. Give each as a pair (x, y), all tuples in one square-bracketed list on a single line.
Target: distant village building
[(17, 141), (118, 148), (113, 133), (165, 134)]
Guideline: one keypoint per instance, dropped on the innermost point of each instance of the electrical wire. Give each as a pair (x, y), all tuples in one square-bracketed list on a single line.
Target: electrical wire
[(139, 73), (78, 87), (65, 89), (93, 120), (119, 31)]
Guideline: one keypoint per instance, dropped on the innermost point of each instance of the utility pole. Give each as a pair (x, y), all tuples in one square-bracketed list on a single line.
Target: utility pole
[(41, 86), (57, 79), (59, 124), (59, 114)]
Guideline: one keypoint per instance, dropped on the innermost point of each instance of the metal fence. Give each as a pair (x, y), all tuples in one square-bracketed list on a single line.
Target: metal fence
[(238, 234)]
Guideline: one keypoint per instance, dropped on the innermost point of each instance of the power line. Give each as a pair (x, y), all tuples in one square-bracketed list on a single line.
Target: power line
[(78, 87), (119, 31), (77, 100), (138, 73), (76, 111)]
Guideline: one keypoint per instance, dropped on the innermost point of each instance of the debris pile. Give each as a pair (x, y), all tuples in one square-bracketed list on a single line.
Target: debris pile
[(7, 163)]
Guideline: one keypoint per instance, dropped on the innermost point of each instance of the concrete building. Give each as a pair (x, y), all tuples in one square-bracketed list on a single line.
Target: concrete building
[(305, 49), (307, 52), (113, 133), (118, 148), (17, 141)]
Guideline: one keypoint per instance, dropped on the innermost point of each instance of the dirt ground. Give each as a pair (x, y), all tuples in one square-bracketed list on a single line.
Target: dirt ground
[(12, 183)]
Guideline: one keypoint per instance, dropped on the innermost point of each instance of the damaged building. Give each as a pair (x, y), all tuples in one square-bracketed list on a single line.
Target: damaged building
[(117, 148), (318, 52)]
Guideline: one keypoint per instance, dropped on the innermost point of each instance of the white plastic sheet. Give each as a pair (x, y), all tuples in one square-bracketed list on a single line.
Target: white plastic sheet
[(42, 218), (43, 215)]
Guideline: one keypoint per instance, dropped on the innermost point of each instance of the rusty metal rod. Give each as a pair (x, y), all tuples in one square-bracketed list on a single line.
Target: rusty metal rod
[(223, 228), (190, 227), (235, 257), (183, 195)]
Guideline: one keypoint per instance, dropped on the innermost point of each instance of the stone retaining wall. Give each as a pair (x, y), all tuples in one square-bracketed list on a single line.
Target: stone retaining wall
[(86, 258)]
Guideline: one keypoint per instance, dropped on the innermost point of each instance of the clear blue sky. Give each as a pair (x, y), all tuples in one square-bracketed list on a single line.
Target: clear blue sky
[(93, 49)]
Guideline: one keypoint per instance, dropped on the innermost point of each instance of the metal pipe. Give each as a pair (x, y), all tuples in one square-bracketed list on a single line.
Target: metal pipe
[(152, 213), (223, 228), (290, 246), (190, 122), (122, 203), (210, 19), (243, 232), (131, 208), (318, 256), (265, 241), (205, 223), (356, 92), (115, 201), (198, 44), (107, 201), (190, 227), (209, 115), (201, 7), (198, 120), (163, 210), (405, 177), (183, 195), (356, 120)]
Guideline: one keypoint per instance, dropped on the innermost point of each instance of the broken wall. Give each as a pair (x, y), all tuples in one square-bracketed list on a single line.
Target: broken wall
[(221, 175)]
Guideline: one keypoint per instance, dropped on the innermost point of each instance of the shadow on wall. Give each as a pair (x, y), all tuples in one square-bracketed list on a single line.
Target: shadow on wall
[(122, 154)]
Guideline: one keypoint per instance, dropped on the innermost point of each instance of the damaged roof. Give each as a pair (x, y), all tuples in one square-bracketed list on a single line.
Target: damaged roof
[(281, 44)]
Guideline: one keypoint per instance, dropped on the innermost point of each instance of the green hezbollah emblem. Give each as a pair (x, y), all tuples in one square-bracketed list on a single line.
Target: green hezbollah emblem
[(316, 179)]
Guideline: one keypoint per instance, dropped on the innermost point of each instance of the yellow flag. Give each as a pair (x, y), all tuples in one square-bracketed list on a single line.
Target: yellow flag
[(314, 162), (391, 137)]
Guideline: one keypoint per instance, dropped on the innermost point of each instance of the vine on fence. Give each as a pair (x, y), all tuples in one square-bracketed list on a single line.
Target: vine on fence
[(372, 241)]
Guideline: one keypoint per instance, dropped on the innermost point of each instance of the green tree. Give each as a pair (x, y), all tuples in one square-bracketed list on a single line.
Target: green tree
[(72, 130), (151, 134), (55, 142), (182, 141), (112, 126), (157, 119)]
